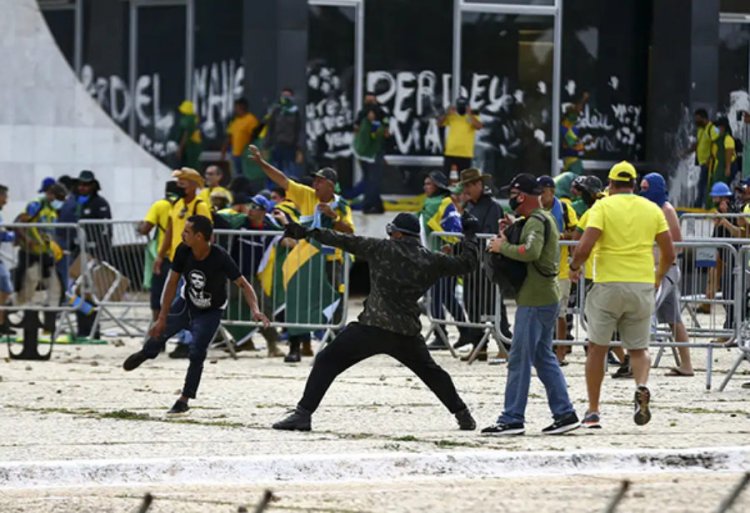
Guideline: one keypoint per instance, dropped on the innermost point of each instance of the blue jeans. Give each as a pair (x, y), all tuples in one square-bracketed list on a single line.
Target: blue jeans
[(202, 325), (237, 165), (373, 179), (532, 345), (284, 158)]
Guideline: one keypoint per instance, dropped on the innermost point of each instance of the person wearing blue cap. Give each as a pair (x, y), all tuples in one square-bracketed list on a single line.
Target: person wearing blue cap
[(401, 272), (46, 184), (654, 189)]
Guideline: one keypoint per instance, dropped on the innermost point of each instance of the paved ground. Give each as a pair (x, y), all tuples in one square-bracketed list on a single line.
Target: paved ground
[(81, 405)]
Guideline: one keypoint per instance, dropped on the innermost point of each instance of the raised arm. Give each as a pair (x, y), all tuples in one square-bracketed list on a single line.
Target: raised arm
[(275, 175), (464, 263)]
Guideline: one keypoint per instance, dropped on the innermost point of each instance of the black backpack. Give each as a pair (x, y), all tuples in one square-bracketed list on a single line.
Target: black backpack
[(509, 274)]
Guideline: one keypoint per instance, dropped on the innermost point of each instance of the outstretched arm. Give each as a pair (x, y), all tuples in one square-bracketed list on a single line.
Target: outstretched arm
[(465, 263), (275, 175), (251, 299)]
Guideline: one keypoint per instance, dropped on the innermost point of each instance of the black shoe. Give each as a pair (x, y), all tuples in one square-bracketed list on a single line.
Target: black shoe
[(297, 420), (623, 371), (465, 421), (503, 429), (464, 341), (293, 357), (179, 408), (562, 425), (642, 414), (612, 359), (437, 344), (134, 361), (181, 351), (481, 356)]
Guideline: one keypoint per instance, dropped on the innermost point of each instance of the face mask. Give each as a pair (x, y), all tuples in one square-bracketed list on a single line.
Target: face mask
[(82, 199), (286, 100), (514, 203), (179, 193), (57, 204)]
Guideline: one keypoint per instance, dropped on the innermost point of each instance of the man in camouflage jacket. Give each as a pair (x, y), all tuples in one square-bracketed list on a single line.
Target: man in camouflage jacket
[(401, 271)]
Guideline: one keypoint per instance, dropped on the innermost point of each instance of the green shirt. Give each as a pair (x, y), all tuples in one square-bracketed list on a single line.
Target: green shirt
[(537, 289)]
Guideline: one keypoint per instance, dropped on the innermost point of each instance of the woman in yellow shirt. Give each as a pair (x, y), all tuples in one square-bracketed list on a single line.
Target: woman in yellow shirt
[(722, 158)]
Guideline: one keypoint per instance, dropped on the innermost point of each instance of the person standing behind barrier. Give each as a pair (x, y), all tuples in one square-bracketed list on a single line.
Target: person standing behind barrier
[(705, 135), (319, 207), (38, 250), (538, 302), (92, 206), (623, 227), (207, 269), (283, 134), (462, 125), (188, 205), (654, 188), (240, 133), (566, 220), (6, 287), (401, 271), (439, 215), (189, 138), (480, 295), (158, 217), (213, 177), (721, 161)]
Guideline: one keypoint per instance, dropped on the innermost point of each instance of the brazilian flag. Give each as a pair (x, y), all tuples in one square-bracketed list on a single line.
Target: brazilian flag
[(310, 295)]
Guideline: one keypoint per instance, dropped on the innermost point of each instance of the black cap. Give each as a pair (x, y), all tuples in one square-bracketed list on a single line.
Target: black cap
[(546, 182), (328, 174), (524, 182), (86, 176), (440, 180), (405, 223), (171, 188)]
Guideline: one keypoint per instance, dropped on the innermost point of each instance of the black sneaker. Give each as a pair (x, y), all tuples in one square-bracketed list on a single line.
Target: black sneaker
[(642, 414), (181, 351), (179, 408), (297, 420), (562, 425), (465, 421), (437, 344), (503, 429), (134, 361), (293, 357)]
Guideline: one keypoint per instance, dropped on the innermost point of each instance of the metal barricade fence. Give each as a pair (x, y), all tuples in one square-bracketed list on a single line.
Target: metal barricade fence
[(743, 324), (117, 276), (702, 225), (472, 303), (36, 268), (302, 286)]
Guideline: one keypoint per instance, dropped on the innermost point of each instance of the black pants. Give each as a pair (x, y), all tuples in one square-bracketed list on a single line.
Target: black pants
[(202, 324), (358, 342)]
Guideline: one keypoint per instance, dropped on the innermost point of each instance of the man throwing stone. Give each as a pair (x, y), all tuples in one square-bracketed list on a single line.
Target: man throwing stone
[(623, 226), (538, 302), (401, 271), (203, 298)]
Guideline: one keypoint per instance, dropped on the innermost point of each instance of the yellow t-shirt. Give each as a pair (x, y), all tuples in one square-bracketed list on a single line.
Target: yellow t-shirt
[(459, 141), (728, 145), (241, 131), (588, 270), (158, 215), (705, 138), (625, 249), (179, 215), (565, 251), (205, 194), (307, 202)]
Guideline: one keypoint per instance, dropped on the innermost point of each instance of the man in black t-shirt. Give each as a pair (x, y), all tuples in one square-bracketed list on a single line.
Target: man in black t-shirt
[(203, 297)]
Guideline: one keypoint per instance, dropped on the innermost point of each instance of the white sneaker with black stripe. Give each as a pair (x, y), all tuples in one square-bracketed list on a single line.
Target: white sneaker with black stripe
[(563, 425), (503, 429)]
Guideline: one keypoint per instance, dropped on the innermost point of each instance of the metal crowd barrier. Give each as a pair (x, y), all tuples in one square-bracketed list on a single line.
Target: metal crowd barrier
[(743, 326), (712, 302), (701, 225), (301, 286)]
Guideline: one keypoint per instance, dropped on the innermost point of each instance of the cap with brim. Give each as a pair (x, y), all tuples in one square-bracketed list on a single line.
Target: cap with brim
[(187, 108), (472, 174), (622, 172), (525, 183), (546, 182), (327, 174), (46, 184), (440, 180), (190, 174), (86, 176), (262, 202), (405, 223)]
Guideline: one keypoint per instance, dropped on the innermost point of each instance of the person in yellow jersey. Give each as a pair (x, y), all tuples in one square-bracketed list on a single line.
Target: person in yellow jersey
[(319, 207), (157, 218), (213, 177), (462, 125), (705, 135), (240, 133), (189, 204), (623, 227)]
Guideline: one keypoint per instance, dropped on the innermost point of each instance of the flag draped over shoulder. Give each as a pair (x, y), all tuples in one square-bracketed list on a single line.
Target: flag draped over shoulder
[(311, 296)]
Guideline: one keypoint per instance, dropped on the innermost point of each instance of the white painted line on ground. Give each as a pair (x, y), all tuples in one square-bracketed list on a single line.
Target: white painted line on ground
[(365, 467)]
